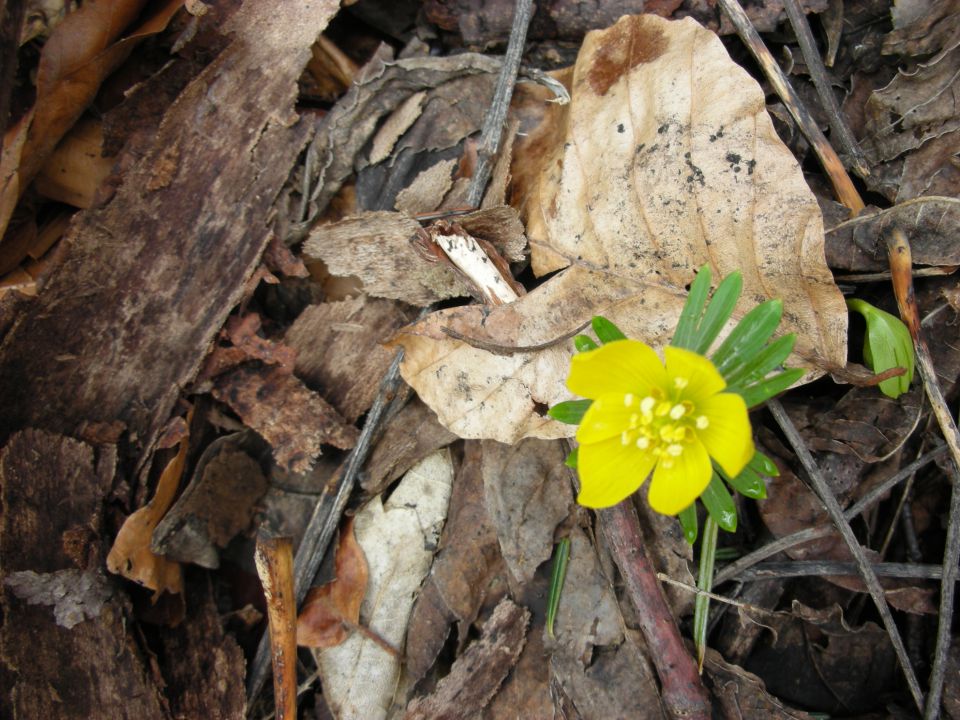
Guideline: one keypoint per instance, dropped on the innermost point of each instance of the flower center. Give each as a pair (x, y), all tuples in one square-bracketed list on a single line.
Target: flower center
[(662, 426)]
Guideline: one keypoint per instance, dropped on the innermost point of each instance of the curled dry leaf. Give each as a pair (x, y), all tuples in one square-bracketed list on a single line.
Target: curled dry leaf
[(665, 160), (398, 539), (330, 610), (82, 51), (131, 555)]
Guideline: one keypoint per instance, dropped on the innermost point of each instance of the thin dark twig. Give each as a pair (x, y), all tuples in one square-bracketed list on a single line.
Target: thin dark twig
[(818, 568), (737, 568), (867, 574), (840, 130), (497, 114), (841, 182)]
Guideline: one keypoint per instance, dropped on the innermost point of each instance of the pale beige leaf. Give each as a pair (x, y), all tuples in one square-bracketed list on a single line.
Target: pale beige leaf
[(398, 539), (665, 160)]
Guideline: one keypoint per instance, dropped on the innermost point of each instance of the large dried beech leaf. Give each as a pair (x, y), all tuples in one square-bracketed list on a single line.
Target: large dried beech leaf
[(665, 160), (398, 539)]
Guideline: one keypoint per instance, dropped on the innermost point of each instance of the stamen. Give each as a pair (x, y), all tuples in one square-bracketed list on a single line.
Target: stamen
[(702, 422), (643, 442), (646, 405), (675, 450), (666, 433), (677, 412), (662, 409), (634, 421), (680, 383), (624, 438), (628, 400), (679, 433)]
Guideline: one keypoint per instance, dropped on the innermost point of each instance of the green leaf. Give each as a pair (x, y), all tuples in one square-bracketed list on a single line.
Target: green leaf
[(887, 345), (583, 343), (719, 503), (747, 483), (685, 334), (701, 606), (606, 330), (764, 362), (718, 311), (763, 465), (570, 412), (688, 523), (749, 336), (560, 556), (766, 389), (571, 459)]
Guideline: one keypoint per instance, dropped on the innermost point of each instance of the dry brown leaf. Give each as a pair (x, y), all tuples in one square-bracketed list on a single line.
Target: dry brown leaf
[(81, 52), (330, 610), (131, 555), (667, 161), (77, 166)]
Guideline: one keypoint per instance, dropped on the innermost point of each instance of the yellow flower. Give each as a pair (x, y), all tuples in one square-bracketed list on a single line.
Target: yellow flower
[(646, 417)]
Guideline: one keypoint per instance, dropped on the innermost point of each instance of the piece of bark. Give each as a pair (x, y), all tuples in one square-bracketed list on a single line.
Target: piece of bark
[(339, 352), (202, 666), (293, 419), (118, 332), (218, 504), (477, 674), (399, 449), (51, 494)]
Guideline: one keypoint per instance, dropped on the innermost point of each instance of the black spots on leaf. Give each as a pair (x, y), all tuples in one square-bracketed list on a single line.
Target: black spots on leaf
[(620, 128), (751, 164), (717, 135), (663, 128), (696, 174)]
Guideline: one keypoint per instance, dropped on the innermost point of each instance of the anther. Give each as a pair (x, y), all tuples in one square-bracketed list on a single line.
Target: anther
[(677, 412), (702, 422), (628, 400), (624, 438), (675, 450), (680, 383), (646, 405), (643, 442)]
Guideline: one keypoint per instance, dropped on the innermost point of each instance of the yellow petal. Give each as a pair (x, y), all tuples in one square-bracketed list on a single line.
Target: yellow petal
[(622, 366), (728, 437), (609, 415), (697, 375), (673, 488), (610, 471)]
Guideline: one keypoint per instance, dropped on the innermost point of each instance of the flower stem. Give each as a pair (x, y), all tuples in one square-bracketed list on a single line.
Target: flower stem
[(682, 690), (701, 609)]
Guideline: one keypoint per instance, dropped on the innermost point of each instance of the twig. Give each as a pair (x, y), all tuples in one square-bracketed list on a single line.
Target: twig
[(274, 559), (493, 122), (901, 266), (713, 596), (819, 568), (838, 126), (867, 574), (735, 569), (681, 688), (842, 185)]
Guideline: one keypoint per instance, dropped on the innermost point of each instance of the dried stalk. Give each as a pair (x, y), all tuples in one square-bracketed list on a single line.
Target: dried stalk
[(842, 185), (901, 266), (274, 559)]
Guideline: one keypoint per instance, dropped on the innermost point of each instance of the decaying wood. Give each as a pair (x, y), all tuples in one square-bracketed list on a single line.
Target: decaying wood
[(122, 326), (477, 674)]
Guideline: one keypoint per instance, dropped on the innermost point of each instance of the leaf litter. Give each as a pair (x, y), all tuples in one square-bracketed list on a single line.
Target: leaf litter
[(667, 157)]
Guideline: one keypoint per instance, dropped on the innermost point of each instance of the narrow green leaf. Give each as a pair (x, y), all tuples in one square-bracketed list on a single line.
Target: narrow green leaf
[(747, 483), (719, 503), (688, 523), (560, 556), (701, 606), (684, 335), (718, 311), (606, 330), (728, 554), (764, 362), (749, 336), (571, 459), (765, 389), (887, 345), (570, 412), (763, 465), (583, 343)]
